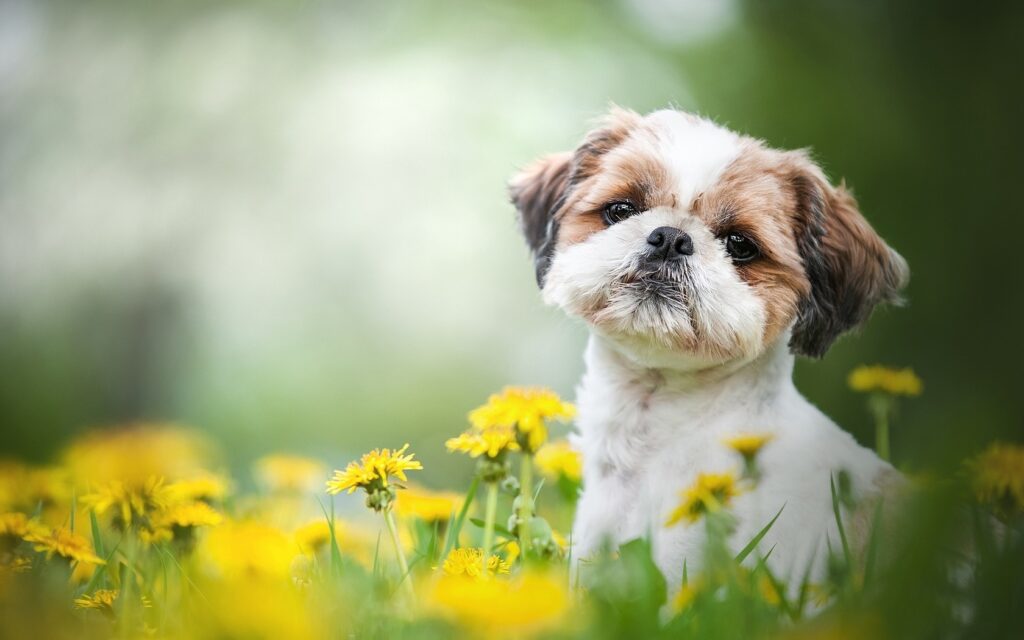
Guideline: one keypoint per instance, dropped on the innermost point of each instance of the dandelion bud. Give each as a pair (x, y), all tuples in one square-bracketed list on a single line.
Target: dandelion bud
[(380, 499), (493, 469), (510, 485)]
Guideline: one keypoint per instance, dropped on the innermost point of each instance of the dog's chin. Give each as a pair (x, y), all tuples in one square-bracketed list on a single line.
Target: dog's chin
[(654, 306), (658, 319)]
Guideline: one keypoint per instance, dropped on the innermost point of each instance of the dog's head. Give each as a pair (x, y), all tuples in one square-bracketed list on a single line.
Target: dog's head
[(676, 237)]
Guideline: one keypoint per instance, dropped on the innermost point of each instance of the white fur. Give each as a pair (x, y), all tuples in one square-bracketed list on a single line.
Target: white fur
[(646, 433), (696, 150)]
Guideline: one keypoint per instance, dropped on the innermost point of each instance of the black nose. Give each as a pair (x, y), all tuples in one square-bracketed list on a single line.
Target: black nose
[(669, 243)]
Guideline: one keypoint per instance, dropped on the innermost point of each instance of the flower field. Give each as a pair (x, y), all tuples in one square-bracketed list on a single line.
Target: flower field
[(137, 531)]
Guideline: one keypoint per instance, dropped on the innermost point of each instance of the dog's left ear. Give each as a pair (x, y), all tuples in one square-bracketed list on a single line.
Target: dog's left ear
[(537, 192), (849, 267)]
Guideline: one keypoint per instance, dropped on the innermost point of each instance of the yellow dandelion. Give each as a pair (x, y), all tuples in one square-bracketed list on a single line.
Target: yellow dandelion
[(247, 608), (468, 562), (997, 477), (373, 470), (15, 526), (62, 542), (766, 589), (313, 537), (431, 506), (512, 552), (25, 488), (14, 564), (155, 534), (205, 486), (289, 473), (134, 454), (129, 502), (247, 549), (529, 604), (82, 572), (559, 459), (685, 597), (749, 445), (710, 492), (897, 382), (525, 409), (492, 441), (102, 600), (192, 514)]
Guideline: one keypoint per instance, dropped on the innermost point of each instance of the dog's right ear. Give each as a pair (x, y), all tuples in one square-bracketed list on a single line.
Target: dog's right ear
[(537, 192)]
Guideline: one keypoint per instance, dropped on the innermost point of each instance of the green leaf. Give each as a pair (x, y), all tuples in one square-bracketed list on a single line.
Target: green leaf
[(742, 555)]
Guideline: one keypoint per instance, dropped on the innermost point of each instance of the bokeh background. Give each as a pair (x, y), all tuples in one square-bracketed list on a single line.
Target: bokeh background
[(285, 222)]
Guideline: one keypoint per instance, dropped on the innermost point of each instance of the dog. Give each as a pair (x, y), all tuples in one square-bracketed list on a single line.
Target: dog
[(703, 261)]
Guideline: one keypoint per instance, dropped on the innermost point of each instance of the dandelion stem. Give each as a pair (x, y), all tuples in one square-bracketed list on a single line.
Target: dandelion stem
[(525, 502), (491, 513), (406, 579), (880, 409)]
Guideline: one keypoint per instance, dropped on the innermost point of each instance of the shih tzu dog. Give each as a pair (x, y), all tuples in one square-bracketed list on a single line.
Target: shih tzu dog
[(703, 261)]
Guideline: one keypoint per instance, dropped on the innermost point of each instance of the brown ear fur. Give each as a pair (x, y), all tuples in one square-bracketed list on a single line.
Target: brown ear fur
[(849, 267), (540, 190), (537, 193)]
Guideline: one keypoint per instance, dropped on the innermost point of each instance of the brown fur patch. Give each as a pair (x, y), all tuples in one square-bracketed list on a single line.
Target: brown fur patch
[(639, 180), (850, 268), (752, 198)]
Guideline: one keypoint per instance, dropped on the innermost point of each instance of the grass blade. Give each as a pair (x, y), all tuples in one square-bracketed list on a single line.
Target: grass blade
[(742, 555), (780, 591), (456, 528), (97, 537), (805, 589), (839, 523), (335, 551), (872, 552)]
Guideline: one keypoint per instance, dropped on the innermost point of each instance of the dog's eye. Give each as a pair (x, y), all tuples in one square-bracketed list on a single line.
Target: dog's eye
[(740, 248), (618, 211)]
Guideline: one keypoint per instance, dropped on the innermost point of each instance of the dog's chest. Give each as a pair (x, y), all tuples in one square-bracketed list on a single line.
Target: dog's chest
[(640, 447)]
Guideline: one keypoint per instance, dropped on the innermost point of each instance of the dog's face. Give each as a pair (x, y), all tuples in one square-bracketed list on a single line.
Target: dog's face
[(680, 239)]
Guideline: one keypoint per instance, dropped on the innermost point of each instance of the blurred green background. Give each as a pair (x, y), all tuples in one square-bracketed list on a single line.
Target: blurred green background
[(285, 222)]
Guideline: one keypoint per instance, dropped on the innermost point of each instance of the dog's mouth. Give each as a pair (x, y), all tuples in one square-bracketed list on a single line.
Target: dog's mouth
[(661, 285), (664, 278)]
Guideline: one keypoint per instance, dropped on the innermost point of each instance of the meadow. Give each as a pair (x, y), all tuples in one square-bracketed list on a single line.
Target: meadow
[(137, 531)]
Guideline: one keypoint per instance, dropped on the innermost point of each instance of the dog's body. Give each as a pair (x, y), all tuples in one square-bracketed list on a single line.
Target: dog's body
[(702, 261), (645, 434)]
